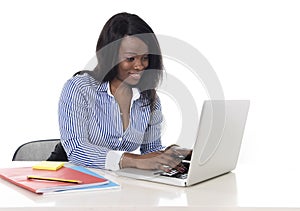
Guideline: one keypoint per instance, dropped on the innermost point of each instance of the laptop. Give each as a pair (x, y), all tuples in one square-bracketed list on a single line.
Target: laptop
[(216, 148)]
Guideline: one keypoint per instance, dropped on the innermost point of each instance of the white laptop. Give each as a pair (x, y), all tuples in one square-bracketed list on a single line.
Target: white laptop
[(216, 148)]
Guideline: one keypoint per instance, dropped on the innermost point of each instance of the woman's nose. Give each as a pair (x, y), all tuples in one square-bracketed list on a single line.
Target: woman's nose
[(138, 65)]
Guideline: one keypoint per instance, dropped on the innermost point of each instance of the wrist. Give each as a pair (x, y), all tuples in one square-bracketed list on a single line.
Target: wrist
[(128, 160), (121, 161)]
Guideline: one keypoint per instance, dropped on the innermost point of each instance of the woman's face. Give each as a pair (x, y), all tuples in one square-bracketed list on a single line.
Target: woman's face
[(133, 56)]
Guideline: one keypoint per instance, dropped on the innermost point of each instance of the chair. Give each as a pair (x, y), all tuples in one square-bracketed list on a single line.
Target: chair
[(35, 150)]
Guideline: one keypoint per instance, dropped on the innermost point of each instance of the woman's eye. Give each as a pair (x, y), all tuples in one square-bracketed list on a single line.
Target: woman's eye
[(130, 59), (145, 58)]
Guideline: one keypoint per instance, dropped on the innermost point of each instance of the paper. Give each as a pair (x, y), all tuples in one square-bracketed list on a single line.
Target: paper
[(49, 165)]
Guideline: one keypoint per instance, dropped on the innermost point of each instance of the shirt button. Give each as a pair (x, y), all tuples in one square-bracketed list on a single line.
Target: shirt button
[(120, 139)]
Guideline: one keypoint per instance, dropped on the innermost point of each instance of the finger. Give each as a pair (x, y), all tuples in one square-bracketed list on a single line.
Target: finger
[(181, 168), (174, 154), (164, 168), (170, 161), (182, 151), (184, 154)]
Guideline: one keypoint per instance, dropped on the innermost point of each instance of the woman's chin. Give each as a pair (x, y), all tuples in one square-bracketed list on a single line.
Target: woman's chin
[(133, 80)]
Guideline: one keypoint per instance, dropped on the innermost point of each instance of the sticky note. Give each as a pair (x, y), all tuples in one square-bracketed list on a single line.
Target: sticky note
[(48, 165)]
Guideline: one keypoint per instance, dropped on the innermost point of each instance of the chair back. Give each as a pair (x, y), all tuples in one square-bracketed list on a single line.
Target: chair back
[(35, 150)]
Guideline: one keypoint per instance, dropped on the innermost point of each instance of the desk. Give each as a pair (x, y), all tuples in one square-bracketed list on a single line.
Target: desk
[(246, 188)]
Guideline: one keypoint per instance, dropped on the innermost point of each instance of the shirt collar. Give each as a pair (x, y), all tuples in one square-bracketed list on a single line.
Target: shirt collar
[(135, 94), (104, 87)]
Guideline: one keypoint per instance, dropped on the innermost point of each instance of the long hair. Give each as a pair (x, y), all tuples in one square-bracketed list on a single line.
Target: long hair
[(107, 51)]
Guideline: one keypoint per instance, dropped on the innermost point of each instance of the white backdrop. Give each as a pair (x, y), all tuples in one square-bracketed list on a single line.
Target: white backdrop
[(252, 45)]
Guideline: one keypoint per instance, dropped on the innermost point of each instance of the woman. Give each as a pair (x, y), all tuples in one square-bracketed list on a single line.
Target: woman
[(107, 113)]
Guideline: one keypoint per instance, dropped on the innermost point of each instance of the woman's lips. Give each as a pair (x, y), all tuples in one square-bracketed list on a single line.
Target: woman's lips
[(136, 76)]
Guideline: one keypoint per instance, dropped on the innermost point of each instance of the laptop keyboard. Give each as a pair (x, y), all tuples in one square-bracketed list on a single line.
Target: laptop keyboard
[(175, 173)]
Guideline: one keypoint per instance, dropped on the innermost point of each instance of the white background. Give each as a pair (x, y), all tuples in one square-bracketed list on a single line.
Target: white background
[(253, 46)]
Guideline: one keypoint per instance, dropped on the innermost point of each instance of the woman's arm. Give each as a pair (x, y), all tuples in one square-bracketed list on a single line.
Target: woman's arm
[(73, 124), (162, 160), (152, 154)]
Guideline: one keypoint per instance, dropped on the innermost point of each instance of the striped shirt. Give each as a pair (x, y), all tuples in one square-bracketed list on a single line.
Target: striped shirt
[(91, 127)]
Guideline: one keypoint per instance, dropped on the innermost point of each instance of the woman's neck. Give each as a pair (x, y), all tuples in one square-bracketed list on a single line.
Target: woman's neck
[(119, 87)]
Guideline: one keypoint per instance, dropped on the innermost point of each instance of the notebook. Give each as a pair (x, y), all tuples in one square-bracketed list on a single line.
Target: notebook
[(216, 148)]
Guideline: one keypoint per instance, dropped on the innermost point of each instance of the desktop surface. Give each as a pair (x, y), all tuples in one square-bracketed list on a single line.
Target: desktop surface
[(246, 187)]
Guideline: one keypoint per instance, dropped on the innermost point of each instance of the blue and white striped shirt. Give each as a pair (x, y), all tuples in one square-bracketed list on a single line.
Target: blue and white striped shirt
[(91, 126)]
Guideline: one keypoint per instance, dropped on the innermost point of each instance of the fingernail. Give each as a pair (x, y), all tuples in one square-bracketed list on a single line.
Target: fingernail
[(181, 170), (181, 156)]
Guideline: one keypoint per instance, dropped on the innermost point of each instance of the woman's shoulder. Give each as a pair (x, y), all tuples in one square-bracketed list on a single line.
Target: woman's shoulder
[(82, 81)]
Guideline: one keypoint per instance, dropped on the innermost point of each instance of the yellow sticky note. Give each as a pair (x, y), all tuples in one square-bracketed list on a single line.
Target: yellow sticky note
[(48, 165)]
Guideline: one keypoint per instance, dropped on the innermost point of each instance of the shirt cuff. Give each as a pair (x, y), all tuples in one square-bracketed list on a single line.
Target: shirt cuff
[(113, 159)]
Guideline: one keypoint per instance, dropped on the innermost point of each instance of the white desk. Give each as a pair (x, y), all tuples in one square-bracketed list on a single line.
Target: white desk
[(245, 188)]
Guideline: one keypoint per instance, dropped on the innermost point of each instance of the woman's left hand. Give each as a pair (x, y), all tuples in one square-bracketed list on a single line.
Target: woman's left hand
[(180, 152)]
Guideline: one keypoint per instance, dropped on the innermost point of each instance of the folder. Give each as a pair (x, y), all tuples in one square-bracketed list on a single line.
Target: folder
[(110, 185), (18, 176)]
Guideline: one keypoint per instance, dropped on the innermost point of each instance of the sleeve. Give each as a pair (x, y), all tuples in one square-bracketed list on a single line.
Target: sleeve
[(152, 136), (73, 125), (113, 159)]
